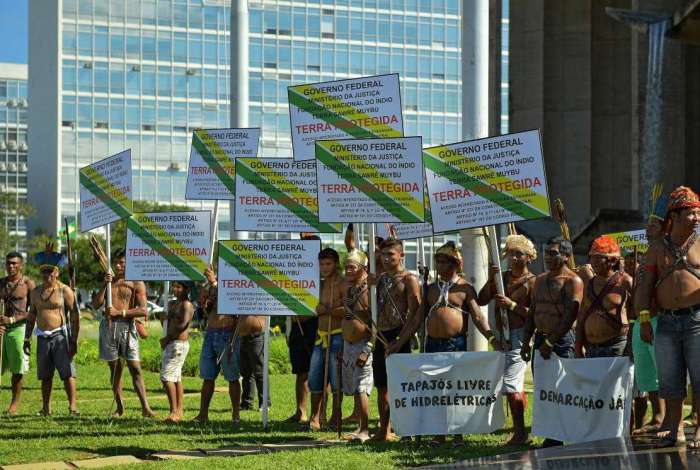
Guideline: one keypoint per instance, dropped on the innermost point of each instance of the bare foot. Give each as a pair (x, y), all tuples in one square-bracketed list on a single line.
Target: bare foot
[(313, 426), (384, 437), (173, 418), (201, 419), (361, 437), (518, 439), (148, 413)]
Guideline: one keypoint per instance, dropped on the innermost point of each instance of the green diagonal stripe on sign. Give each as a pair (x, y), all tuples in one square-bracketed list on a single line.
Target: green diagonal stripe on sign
[(283, 198), (462, 179), (178, 262), (100, 192), (390, 205), (210, 158), (264, 282), (334, 119)]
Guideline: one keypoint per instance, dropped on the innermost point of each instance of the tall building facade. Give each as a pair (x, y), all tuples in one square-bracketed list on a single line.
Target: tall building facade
[(13, 138), (142, 74)]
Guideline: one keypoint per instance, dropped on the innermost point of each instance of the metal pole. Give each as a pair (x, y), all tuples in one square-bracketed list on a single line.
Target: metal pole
[(266, 373), (108, 242), (238, 80), (214, 231), (373, 270), (475, 120)]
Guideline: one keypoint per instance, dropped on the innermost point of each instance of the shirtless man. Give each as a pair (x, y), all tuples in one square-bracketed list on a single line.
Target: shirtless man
[(53, 308), (450, 299), (602, 327), (398, 299), (14, 294), (175, 345), (671, 276), (554, 305), (330, 312), (118, 335), (519, 283), (358, 340), (220, 353)]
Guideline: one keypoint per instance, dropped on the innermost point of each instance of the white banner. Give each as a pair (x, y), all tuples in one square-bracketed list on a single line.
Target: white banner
[(360, 108), (486, 181), (445, 393), (277, 195), (212, 167), (268, 277), (168, 246), (582, 400), (370, 180), (105, 191)]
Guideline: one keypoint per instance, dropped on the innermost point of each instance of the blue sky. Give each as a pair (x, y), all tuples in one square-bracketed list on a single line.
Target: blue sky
[(13, 31)]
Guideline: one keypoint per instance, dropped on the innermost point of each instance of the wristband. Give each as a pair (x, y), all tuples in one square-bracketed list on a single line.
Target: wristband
[(632, 321), (492, 338), (644, 316), (12, 320), (548, 343), (513, 305), (123, 313)]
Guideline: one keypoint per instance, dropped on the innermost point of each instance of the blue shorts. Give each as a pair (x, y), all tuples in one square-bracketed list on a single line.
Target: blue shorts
[(454, 344), (318, 360), (613, 348), (677, 347), (215, 346)]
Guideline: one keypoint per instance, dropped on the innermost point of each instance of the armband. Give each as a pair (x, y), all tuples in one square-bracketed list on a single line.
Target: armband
[(548, 342), (644, 316), (492, 338)]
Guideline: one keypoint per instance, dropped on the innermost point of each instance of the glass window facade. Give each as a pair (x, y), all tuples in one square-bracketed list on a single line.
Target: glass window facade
[(13, 143)]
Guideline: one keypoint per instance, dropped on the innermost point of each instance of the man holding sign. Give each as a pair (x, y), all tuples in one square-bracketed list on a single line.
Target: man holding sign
[(118, 336), (671, 276), (519, 283)]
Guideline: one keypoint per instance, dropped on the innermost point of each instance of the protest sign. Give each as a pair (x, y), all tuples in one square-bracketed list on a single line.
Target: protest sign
[(360, 107), (595, 394), (370, 180), (105, 191), (631, 239), (277, 195), (168, 246), (445, 393), (268, 277), (212, 169), (486, 181), (409, 231)]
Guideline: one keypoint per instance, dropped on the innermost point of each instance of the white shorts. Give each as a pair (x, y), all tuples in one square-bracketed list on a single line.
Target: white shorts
[(174, 356), (356, 379), (514, 371)]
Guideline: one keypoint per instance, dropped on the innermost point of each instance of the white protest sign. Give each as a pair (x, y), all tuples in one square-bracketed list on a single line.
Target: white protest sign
[(211, 172), (445, 393), (630, 239), (370, 180), (168, 246), (268, 277), (277, 195), (486, 181), (105, 191), (408, 231), (360, 107), (595, 394)]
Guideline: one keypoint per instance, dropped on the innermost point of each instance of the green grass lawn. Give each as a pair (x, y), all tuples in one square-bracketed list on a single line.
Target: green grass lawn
[(28, 438)]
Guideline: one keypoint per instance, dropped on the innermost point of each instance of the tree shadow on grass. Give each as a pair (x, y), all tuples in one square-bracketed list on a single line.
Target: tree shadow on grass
[(111, 451)]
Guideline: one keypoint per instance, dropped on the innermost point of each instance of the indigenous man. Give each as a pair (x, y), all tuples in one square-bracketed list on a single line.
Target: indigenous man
[(519, 283), (53, 308), (14, 293), (329, 339), (554, 305), (602, 326), (450, 299), (398, 299), (250, 330), (302, 335), (358, 342), (220, 352), (176, 345), (671, 276), (118, 336)]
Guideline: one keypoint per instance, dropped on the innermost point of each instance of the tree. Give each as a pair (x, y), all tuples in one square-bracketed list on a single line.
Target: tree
[(10, 209)]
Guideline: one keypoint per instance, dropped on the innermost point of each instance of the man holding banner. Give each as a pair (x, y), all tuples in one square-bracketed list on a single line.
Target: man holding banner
[(671, 275), (220, 353), (602, 326), (118, 336), (519, 283), (329, 340)]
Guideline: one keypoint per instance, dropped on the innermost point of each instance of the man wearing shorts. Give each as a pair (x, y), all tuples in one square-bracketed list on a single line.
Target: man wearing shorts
[(53, 309), (118, 336), (220, 353), (518, 282), (14, 295), (175, 345)]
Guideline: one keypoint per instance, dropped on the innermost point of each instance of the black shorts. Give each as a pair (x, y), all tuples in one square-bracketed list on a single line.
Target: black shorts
[(379, 361), (301, 346)]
